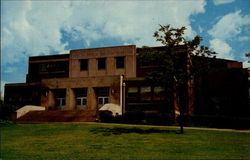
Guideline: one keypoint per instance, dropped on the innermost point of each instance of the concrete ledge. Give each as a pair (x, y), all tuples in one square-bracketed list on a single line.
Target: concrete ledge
[(22, 111)]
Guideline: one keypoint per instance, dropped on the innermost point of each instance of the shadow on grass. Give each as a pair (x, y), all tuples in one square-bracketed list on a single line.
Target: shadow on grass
[(119, 130)]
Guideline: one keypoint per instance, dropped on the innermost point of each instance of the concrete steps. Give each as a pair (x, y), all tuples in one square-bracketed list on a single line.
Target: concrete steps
[(59, 116)]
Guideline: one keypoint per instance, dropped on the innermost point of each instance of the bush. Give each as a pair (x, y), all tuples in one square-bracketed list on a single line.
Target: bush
[(216, 121), (105, 116), (6, 111), (136, 117), (158, 118), (6, 122)]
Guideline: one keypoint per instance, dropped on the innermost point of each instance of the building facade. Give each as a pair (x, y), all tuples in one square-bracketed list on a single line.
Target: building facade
[(86, 79)]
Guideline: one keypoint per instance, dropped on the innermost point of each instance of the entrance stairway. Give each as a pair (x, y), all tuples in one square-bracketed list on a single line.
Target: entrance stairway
[(59, 116)]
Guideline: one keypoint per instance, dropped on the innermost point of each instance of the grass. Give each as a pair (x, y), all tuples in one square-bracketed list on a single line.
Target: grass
[(99, 141)]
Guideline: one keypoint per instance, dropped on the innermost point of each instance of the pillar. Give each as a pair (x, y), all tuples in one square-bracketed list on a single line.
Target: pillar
[(51, 100), (70, 99), (91, 99)]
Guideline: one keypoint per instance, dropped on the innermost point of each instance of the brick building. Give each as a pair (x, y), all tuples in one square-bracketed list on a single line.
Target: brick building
[(86, 79)]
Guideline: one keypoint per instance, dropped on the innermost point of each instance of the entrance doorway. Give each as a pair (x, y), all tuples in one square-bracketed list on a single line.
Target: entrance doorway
[(81, 98), (60, 98), (102, 96)]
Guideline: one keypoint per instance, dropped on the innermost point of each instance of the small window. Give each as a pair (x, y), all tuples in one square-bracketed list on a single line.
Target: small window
[(106, 100), (42, 67), (84, 64), (146, 93), (132, 92), (101, 63), (158, 93), (84, 101), (119, 62), (103, 100), (78, 101)]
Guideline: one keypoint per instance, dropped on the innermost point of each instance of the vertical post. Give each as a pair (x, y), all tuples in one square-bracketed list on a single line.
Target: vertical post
[(121, 93), (123, 89)]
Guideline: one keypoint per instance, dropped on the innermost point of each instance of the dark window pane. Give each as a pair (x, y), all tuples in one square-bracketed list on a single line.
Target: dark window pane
[(101, 63), (84, 64), (106, 100), (146, 93), (58, 101), (81, 92), (100, 101), (132, 92), (42, 67), (158, 93), (84, 101), (103, 92), (119, 62), (63, 101), (78, 101)]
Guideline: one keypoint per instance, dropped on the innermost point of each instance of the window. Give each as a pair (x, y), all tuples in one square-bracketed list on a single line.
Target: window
[(60, 103), (81, 98), (119, 62), (84, 64), (101, 63), (103, 100), (158, 93), (42, 67), (132, 92), (146, 93), (60, 97), (102, 96), (81, 102)]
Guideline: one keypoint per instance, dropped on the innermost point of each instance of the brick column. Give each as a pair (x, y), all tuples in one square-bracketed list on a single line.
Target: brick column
[(91, 99), (51, 99), (70, 99)]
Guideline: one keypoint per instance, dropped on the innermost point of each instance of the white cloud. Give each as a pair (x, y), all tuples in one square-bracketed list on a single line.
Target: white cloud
[(218, 2), (200, 29), (244, 38), (10, 70), (228, 28), (31, 28), (222, 48), (230, 25), (35, 27)]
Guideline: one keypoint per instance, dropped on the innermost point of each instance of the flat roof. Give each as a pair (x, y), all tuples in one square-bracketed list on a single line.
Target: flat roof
[(47, 57), (102, 47), (22, 84)]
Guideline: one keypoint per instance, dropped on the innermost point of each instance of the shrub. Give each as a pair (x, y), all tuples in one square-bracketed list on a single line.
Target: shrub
[(6, 122), (105, 116), (158, 118), (217, 121), (135, 117), (6, 111)]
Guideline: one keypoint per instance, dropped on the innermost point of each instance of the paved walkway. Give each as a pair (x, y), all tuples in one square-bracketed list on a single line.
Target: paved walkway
[(218, 129)]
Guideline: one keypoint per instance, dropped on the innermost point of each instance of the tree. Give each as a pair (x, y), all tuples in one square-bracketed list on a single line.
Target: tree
[(175, 65), (248, 56)]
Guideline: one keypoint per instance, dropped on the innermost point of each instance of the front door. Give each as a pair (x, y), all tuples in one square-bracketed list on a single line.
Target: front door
[(60, 97), (102, 96), (81, 98)]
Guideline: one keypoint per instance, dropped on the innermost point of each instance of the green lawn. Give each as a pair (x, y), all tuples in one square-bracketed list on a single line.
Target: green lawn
[(108, 141)]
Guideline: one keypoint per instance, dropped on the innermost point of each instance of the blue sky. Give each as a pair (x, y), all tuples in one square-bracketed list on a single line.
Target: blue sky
[(32, 28)]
